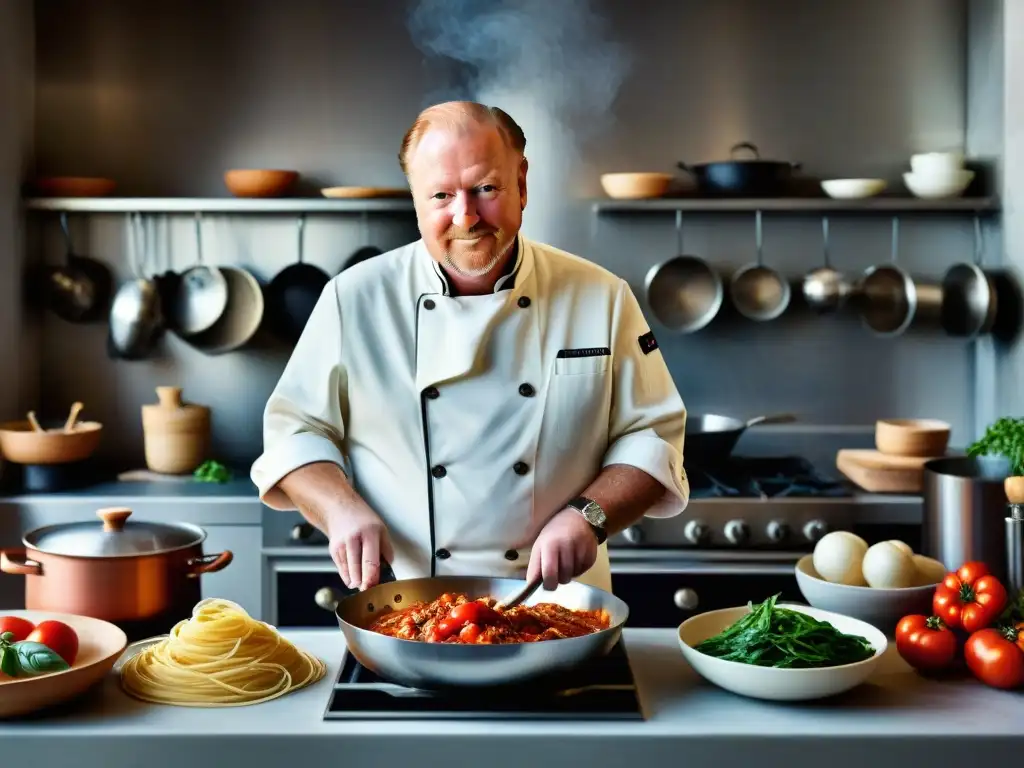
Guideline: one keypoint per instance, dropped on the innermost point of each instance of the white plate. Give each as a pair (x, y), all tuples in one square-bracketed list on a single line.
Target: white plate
[(771, 683)]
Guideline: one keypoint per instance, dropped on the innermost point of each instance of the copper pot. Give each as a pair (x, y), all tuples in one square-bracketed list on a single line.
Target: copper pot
[(122, 572)]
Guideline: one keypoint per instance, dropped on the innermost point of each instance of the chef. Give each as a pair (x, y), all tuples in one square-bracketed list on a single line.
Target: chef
[(474, 403)]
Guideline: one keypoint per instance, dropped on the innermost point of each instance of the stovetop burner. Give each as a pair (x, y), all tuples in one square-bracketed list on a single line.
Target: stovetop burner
[(602, 689), (762, 477)]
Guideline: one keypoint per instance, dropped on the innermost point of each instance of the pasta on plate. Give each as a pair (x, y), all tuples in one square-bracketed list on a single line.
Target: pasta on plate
[(220, 657)]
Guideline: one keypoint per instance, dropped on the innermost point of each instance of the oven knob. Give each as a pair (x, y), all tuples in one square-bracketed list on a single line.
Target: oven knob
[(777, 530), (326, 599), (685, 599), (633, 534), (814, 530), (696, 532), (736, 531)]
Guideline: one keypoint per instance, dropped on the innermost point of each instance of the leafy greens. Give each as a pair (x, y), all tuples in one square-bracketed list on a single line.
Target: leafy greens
[(779, 637)]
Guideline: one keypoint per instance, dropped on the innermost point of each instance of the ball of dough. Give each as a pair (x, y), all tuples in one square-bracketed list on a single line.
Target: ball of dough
[(837, 558), (886, 566), (905, 547), (929, 570)]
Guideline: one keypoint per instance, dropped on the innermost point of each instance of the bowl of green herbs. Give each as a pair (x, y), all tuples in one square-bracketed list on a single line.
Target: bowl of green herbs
[(781, 652)]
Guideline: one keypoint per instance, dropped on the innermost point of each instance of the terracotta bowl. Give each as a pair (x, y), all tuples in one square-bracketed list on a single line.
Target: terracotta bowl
[(635, 186), (20, 444), (100, 644), (912, 437), (260, 182), (74, 186)]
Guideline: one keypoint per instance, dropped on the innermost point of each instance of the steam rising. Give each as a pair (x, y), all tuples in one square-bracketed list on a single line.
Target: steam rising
[(550, 64)]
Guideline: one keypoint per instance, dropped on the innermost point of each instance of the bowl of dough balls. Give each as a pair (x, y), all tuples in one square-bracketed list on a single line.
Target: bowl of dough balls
[(879, 584)]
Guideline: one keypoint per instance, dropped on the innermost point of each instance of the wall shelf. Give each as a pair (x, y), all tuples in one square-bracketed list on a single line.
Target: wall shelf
[(219, 205), (871, 205)]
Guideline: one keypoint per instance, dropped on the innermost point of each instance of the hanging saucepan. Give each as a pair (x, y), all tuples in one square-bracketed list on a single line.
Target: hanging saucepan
[(80, 290), (136, 314), (202, 296), (759, 292), (969, 300), (241, 317), (887, 294), (293, 293), (684, 292), (737, 177)]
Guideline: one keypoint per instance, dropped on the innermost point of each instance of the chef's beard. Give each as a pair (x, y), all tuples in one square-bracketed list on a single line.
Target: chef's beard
[(500, 251)]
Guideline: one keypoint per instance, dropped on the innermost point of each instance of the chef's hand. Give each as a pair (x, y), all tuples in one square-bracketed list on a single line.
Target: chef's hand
[(357, 541), (565, 548)]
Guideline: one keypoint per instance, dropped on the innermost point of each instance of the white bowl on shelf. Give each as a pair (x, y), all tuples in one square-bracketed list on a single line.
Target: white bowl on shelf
[(936, 185), (771, 683), (881, 608), (853, 189), (927, 163)]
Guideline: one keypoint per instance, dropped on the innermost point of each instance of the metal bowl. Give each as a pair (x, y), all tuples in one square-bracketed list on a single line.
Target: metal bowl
[(434, 666)]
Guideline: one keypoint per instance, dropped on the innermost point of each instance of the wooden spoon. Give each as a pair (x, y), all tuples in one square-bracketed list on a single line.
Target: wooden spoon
[(76, 408), (33, 422)]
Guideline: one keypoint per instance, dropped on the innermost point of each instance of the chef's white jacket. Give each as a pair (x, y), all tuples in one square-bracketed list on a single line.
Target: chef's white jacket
[(466, 422)]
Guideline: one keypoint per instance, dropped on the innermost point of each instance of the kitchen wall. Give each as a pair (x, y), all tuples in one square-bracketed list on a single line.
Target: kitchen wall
[(164, 96), (18, 341)]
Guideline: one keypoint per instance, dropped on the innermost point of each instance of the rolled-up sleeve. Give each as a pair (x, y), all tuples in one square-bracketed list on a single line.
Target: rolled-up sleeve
[(303, 420), (648, 418)]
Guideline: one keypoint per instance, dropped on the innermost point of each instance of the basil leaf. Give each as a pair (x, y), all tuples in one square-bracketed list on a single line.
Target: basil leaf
[(6, 637), (38, 659), (9, 662)]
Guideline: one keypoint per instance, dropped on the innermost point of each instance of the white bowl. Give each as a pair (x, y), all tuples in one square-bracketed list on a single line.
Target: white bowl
[(853, 189), (936, 185), (768, 682), (882, 608), (936, 162)]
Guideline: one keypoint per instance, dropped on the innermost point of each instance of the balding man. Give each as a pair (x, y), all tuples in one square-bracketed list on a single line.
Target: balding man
[(474, 403)]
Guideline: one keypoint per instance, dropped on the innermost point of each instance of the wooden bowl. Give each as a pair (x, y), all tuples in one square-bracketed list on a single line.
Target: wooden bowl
[(74, 186), (912, 437), (635, 186), (100, 644), (21, 444), (260, 182)]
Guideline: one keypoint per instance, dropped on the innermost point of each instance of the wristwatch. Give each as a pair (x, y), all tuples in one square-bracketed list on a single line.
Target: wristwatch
[(593, 514)]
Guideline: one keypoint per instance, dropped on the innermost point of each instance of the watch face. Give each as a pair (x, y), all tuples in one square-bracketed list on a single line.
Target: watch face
[(594, 515)]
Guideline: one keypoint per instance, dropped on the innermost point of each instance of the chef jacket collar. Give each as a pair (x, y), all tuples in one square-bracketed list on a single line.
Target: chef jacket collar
[(504, 282)]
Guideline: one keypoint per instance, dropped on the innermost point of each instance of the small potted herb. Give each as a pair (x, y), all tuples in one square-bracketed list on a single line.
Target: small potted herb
[(1005, 438)]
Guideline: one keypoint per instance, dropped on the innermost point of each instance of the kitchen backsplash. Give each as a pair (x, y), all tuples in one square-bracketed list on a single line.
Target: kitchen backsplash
[(165, 96)]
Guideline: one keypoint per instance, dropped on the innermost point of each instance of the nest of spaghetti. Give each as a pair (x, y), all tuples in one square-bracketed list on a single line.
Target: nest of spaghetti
[(220, 657)]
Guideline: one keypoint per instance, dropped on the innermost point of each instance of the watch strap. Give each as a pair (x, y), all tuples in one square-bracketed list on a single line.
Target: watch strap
[(580, 503)]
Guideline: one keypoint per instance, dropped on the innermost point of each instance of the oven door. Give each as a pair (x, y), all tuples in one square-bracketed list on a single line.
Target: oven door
[(663, 589)]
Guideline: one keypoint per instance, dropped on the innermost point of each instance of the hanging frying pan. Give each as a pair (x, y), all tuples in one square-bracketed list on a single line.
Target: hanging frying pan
[(293, 293)]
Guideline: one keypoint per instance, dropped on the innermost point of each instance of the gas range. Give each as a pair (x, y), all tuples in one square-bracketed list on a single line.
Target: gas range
[(602, 688)]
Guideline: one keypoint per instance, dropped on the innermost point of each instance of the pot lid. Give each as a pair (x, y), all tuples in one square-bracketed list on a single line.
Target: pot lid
[(114, 538)]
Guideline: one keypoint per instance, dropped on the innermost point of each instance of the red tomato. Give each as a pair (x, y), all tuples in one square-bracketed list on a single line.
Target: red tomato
[(996, 657), (474, 612), (17, 626), (58, 637), (969, 598), (925, 642)]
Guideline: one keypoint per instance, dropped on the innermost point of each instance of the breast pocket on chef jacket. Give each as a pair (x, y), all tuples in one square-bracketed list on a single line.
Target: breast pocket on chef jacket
[(578, 396)]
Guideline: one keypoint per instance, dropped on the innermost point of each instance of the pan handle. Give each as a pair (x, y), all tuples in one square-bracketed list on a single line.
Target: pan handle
[(14, 561), (778, 418), (209, 563)]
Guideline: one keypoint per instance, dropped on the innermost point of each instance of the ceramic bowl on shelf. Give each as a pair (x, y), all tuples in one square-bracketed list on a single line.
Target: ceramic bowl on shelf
[(73, 186), (881, 608), (769, 682), (938, 185), (926, 438), (260, 182), (853, 189), (936, 163), (21, 443), (635, 186), (100, 644)]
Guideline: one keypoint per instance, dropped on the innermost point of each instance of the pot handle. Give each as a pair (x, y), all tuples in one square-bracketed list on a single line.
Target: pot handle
[(18, 564), (210, 563), (778, 418)]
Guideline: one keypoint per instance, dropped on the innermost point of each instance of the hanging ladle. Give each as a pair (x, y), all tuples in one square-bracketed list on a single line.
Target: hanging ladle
[(825, 289)]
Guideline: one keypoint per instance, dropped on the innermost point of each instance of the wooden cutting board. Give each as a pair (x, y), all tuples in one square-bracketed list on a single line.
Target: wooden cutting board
[(878, 472)]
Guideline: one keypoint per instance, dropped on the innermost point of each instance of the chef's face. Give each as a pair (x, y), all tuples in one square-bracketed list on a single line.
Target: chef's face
[(469, 189)]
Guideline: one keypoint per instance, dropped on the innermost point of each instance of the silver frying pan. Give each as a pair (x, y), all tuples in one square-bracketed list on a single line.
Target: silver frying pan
[(435, 666)]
